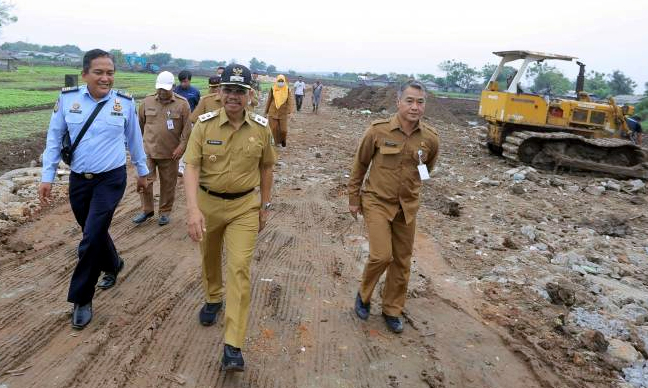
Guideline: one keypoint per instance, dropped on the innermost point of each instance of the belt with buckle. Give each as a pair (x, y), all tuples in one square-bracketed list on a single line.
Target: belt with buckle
[(226, 195), (85, 175)]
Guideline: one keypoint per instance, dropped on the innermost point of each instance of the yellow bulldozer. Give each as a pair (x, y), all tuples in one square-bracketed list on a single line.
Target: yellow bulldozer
[(552, 132)]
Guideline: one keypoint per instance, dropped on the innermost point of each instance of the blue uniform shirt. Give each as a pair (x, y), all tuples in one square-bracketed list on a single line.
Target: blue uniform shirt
[(102, 147), (191, 94)]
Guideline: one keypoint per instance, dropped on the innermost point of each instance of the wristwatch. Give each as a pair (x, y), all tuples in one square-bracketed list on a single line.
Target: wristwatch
[(267, 206)]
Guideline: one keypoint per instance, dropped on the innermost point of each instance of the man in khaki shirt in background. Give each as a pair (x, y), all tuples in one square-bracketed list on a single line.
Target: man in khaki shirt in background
[(228, 155), (401, 150), (164, 120), (210, 102)]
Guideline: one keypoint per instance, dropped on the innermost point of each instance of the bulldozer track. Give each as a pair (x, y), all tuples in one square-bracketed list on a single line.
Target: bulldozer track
[(514, 141)]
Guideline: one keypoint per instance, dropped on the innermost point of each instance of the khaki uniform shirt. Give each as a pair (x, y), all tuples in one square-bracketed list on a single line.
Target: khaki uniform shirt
[(283, 111), (159, 140), (393, 181), (230, 159), (208, 103)]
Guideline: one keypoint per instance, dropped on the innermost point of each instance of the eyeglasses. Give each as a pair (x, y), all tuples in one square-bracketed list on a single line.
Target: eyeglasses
[(237, 91)]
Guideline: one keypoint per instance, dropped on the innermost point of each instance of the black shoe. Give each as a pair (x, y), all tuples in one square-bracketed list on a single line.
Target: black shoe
[(393, 323), (283, 143), (209, 313), (109, 279), (81, 315), (138, 219), (361, 308), (233, 359)]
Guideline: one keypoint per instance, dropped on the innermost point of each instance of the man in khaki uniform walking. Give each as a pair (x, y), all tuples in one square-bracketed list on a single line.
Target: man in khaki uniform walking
[(210, 102), (164, 120), (401, 150), (228, 155)]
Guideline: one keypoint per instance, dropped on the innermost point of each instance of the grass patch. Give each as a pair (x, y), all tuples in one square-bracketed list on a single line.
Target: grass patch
[(20, 125)]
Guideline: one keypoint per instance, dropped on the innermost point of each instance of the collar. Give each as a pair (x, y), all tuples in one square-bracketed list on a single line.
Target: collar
[(173, 98), (395, 123), (223, 119), (84, 90)]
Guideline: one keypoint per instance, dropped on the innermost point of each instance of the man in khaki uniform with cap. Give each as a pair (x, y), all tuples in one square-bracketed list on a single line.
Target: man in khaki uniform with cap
[(401, 150), (210, 102), (228, 155), (164, 120)]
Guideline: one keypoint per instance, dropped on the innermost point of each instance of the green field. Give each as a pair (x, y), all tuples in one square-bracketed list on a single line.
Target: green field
[(19, 125), (39, 86)]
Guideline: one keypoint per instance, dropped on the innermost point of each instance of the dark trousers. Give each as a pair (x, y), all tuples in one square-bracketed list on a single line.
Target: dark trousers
[(299, 99), (93, 203)]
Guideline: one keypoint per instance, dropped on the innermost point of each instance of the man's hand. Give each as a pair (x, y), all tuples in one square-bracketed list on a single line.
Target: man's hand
[(45, 193), (263, 218), (142, 184), (195, 224), (177, 152), (354, 210)]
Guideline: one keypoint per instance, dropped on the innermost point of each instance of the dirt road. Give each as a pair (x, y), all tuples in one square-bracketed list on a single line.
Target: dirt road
[(303, 331)]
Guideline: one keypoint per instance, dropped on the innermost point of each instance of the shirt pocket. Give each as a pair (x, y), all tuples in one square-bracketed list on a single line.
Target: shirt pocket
[(73, 120), (213, 158), (249, 157), (389, 154), (150, 114), (117, 121)]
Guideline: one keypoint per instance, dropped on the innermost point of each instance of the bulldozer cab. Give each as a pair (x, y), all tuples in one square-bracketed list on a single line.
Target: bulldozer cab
[(513, 85)]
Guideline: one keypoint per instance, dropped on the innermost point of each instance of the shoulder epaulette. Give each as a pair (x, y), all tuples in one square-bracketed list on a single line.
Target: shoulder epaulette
[(259, 119), (380, 121), (207, 116), (210, 95), (70, 89), (429, 128), (127, 96), (179, 96)]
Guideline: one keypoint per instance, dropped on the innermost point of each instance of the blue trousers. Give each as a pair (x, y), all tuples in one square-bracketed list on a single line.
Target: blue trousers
[(93, 202)]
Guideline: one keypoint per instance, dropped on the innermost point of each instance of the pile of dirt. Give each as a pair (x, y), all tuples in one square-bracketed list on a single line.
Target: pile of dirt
[(379, 99), (19, 153)]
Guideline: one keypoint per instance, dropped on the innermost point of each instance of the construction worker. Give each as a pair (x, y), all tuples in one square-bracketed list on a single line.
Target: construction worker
[(164, 120), (634, 123), (98, 171), (279, 107), (401, 150), (228, 155), (209, 102)]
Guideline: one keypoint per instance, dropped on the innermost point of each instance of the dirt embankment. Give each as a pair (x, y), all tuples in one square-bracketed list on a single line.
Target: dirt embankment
[(383, 99)]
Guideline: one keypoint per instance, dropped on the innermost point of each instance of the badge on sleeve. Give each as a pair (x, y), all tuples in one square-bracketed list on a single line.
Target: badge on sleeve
[(56, 106)]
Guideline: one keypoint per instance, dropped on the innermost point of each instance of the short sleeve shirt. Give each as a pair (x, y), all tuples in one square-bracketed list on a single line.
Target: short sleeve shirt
[(230, 160)]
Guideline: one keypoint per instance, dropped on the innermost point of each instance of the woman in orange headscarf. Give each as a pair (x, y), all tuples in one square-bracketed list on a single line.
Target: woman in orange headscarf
[(280, 104)]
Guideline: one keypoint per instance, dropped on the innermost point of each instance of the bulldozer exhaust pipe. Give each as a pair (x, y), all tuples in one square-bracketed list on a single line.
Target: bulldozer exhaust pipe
[(580, 80)]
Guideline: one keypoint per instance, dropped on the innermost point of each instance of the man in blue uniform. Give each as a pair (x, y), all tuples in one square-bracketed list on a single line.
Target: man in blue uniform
[(98, 176)]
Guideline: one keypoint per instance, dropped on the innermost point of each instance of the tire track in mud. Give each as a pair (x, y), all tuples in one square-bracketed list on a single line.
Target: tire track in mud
[(302, 329)]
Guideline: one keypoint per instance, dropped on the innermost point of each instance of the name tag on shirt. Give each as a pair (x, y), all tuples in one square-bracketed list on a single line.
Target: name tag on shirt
[(170, 126), (423, 172)]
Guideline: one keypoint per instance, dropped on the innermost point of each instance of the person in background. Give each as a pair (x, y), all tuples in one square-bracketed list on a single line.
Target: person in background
[(279, 107), (164, 120), (300, 90), (634, 123), (317, 95), (190, 93)]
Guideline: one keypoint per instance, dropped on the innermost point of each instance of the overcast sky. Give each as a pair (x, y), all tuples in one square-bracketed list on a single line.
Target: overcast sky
[(349, 36)]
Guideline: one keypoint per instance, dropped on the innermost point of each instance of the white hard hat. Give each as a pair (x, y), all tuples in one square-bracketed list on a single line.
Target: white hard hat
[(164, 80)]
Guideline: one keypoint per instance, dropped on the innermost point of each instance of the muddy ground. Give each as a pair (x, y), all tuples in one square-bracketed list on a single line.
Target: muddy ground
[(536, 283)]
